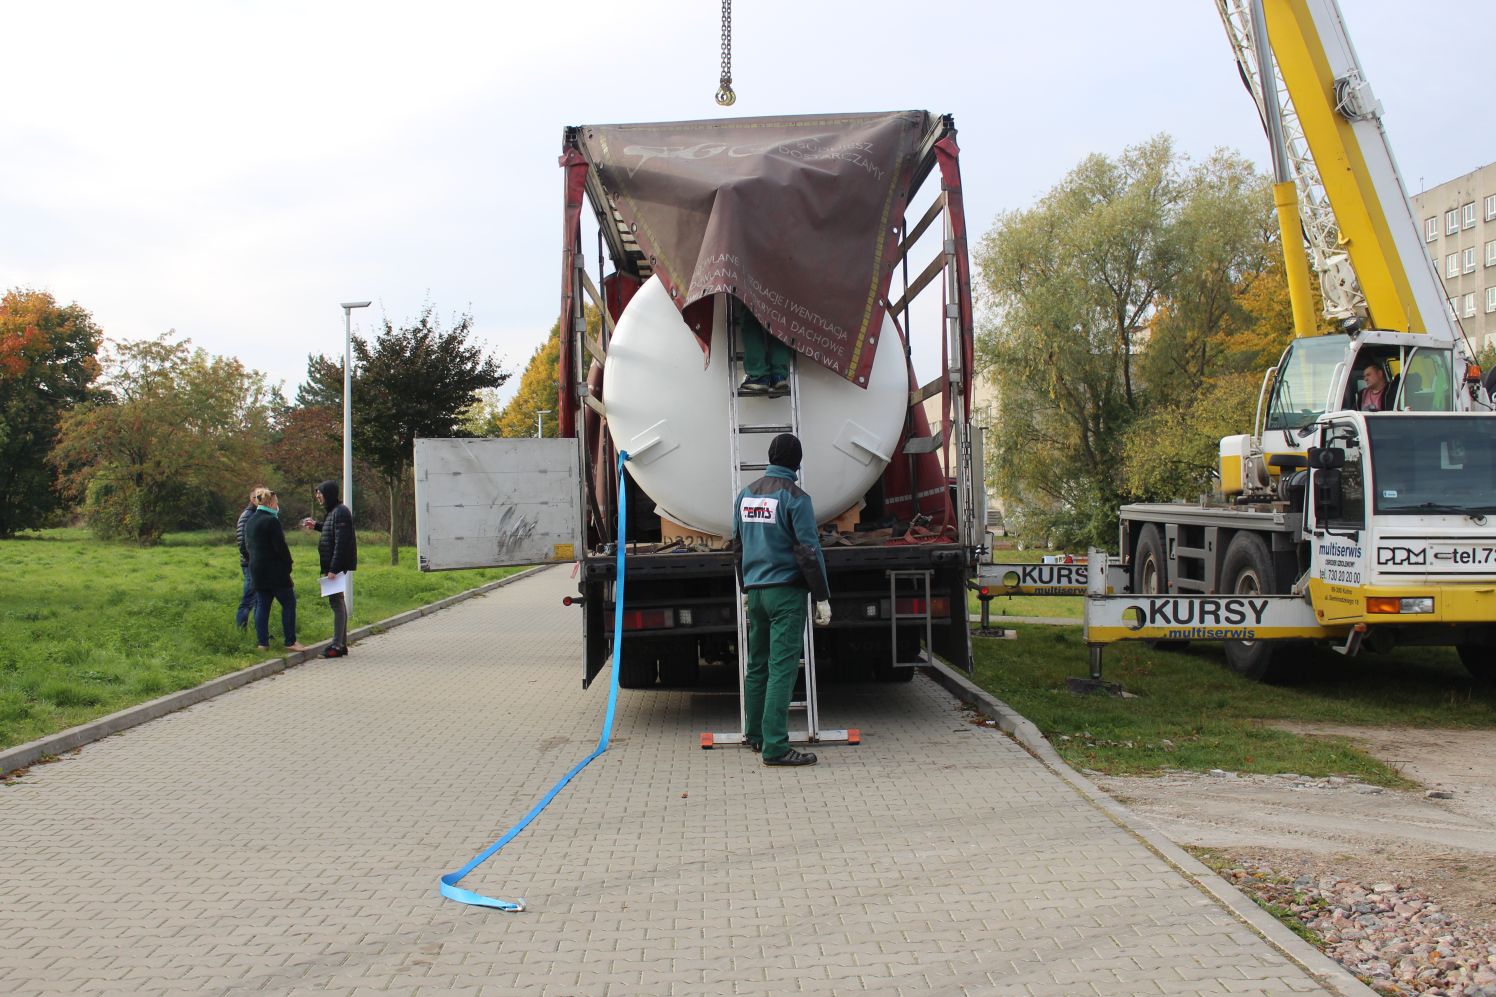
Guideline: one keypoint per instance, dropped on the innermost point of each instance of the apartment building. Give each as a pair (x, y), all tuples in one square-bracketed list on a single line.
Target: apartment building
[(1459, 230)]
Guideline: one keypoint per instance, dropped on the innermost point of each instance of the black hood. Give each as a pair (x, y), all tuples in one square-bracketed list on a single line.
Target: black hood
[(329, 491), (784, 450)]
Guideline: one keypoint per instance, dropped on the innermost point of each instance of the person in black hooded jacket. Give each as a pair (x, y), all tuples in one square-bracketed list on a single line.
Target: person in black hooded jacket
[(338, 550)]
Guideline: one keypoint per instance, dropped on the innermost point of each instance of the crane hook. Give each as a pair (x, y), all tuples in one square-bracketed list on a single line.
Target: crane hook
[(725, 96)]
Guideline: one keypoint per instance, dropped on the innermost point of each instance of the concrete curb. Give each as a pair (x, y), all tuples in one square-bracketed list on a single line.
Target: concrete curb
[(1321, 967), (23, 755)]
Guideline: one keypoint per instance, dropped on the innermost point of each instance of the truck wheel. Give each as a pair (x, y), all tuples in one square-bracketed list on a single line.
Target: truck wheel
[(679, 664), (1248, 570), (1480, 661), (1150, 577), (636, 667)]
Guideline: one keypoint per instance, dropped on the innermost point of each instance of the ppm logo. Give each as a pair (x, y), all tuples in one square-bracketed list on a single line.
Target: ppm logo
[(1398, 556)]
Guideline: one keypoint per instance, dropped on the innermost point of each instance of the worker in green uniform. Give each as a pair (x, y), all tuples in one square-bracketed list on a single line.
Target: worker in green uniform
[(774, 533), (766, 360)]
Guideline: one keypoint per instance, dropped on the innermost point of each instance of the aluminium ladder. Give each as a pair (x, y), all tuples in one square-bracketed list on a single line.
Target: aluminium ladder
[(736, 430)]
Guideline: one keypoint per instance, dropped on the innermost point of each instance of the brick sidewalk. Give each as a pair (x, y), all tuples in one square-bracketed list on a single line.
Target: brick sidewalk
[(289, 836)]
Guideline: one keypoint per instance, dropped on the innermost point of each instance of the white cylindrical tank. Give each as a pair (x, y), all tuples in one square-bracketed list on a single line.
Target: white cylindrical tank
[(670, 412)]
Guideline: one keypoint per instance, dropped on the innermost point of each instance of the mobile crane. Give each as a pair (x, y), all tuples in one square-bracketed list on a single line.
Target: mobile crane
[(1376, 521)]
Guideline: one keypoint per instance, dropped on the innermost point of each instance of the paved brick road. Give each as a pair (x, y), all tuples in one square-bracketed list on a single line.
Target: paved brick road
[(289, 835)]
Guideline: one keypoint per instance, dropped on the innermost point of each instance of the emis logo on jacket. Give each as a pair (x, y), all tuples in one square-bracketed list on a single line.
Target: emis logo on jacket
[(758, 509)]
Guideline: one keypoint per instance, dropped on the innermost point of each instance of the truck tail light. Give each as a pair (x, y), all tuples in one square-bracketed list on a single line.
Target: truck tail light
[(647, 619), (939, 606), (1390, 604)]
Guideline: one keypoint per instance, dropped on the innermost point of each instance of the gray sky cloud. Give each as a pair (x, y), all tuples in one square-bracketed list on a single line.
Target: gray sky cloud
[(233, 170)]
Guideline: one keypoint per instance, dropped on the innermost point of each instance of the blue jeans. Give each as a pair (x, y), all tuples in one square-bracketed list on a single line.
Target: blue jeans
[(246, 601), (287, 598)]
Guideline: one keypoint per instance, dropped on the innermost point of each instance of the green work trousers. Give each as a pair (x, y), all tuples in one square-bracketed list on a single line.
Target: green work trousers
[(763, 355), (776, 630)]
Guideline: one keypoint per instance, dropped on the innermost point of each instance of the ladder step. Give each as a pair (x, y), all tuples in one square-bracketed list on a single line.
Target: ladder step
[(753, 467), (783, 428)]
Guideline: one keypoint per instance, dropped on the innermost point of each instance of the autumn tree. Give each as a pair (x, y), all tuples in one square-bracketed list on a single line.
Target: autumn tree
[(48, 363), (537, 392), (178, 437), (1173, 451), (413, 381)]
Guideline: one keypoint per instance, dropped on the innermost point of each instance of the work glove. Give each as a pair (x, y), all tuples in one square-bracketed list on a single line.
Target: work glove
[(823, 613)]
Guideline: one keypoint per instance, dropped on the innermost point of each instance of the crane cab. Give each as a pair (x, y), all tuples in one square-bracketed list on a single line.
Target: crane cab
[(1320, 374)]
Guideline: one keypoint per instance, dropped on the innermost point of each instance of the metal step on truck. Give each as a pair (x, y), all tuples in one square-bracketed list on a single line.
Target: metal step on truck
[(842, 238)]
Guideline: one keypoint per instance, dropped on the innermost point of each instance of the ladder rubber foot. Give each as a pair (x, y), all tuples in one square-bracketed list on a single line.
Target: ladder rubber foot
[(707, 742), (854, 736)]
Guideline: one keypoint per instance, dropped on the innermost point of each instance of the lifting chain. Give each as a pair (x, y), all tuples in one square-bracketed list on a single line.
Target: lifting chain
[(725, 96)]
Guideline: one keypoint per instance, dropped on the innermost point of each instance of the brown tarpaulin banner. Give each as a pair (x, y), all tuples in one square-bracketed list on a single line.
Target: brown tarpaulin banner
[(796, 216)]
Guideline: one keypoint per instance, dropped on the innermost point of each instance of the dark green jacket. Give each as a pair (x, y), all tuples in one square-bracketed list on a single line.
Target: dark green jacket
[(269, 557), (774, 525)]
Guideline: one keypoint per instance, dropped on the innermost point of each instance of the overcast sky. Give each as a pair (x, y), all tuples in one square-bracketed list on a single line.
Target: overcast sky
[(234, 170)]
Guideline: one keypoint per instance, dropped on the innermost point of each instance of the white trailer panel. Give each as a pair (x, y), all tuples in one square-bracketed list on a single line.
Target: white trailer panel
[(488, 503)]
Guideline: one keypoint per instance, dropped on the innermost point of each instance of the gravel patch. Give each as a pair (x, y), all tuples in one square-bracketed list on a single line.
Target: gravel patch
[(1397, 939)]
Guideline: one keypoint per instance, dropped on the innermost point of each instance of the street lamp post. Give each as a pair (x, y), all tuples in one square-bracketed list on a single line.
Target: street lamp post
[(541, 412), (348, 307)]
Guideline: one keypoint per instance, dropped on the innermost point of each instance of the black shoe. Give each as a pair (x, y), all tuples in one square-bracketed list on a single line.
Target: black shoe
[(792, 757), (779, 387), (334, 652), (753, 746)]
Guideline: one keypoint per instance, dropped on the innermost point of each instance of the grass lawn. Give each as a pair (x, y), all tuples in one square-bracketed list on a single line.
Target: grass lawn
[(1211, 717), (1069, 606), (88, 627)]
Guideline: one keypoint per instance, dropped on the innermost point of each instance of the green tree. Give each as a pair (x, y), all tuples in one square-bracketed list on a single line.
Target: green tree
[(176, 442), (1071, 285), (48, 363), (1225, 233), (1112, 304), (413, 381)]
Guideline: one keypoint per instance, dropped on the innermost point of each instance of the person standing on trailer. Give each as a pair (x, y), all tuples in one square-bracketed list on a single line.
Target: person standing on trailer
[(779, 561), (766, 360)]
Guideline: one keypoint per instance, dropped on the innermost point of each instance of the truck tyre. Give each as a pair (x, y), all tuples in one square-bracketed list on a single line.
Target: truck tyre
[(1150, 576), (679, 663), (636, 666), (1480, 661), (1248, 570)]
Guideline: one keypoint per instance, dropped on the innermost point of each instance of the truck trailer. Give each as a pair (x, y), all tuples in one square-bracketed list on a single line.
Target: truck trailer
[(843, 237)]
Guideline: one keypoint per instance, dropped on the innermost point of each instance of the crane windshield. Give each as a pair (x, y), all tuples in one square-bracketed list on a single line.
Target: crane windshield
[(1305, 377), (1433, 464)]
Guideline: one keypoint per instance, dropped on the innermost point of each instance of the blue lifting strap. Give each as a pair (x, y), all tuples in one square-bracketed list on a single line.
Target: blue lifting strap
[(449, 887)]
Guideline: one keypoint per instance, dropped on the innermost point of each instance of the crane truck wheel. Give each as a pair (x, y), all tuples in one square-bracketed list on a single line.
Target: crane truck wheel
[(1480, 661), (1150, 576), (1248, 570)]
